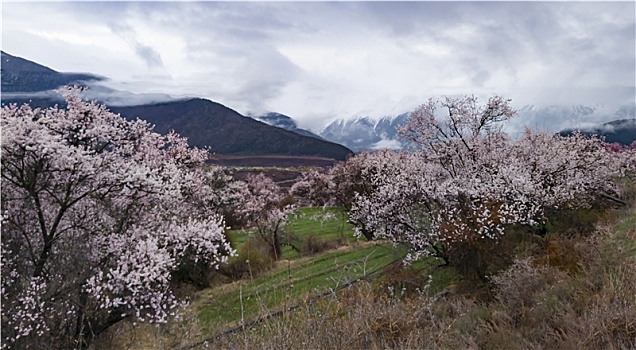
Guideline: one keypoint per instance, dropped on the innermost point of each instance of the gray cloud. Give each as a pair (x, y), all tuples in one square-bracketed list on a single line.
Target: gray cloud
[(145, 52), (124, 98), (316, 61)]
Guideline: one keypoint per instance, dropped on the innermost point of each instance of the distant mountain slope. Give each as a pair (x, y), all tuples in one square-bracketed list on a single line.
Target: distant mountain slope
[(621, 131), (205, 123), (284, 122), (364, 133), (225, 131), (20, 75)]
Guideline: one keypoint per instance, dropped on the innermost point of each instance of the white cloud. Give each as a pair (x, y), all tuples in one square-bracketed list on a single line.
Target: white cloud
[(317, 61), (387, 144)]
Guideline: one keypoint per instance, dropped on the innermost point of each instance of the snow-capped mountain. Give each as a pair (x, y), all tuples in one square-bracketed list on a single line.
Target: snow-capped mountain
[(365, 133), (558, 117)]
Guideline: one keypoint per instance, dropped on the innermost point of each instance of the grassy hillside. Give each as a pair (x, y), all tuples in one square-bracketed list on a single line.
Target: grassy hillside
[(576, 292), (288, 284), (569, 291)]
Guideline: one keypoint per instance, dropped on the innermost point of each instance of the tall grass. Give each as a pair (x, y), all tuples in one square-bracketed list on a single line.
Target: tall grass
[(578, 292), (568, 290)]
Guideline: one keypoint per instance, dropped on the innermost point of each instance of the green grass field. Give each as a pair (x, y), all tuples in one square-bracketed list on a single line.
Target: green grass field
[(304, 223), (294, 278), (308, 221), (289, 283)]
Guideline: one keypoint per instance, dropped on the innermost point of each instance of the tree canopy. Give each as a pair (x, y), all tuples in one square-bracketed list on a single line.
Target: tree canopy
[(98, 212)]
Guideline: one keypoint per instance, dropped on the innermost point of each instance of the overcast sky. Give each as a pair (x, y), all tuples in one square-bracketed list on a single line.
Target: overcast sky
[(316, 61)]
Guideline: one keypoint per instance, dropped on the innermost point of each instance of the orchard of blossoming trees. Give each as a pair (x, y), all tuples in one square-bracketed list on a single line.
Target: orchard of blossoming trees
[(101, 216), (465, 181), (97, 213)]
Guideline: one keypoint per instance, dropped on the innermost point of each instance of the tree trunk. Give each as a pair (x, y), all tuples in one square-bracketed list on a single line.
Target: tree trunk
[(276, 246), (42, 259), (366, 233)]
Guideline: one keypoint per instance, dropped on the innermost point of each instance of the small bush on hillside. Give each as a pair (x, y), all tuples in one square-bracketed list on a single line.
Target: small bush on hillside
[(403, 280), (313, 245), (253, 258), (521, 288), (565, 254), (193, 272), (287, 200), (570, 222)]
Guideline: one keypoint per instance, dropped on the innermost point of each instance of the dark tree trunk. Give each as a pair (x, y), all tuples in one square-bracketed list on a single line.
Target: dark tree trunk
[(42, 259), (277, 247)]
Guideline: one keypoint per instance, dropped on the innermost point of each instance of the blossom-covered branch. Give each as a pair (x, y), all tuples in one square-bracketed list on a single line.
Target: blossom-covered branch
[(97, 213)]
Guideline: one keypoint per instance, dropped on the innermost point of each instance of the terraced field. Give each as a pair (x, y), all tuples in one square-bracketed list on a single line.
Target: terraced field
[(290, 283)]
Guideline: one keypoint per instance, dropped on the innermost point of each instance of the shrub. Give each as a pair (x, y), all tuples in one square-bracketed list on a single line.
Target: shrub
[(253, 258), (403, 280), (313, 245)]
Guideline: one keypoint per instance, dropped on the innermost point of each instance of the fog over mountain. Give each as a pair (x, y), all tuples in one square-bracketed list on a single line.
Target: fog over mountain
[(22, 76), (622, 131), (365, 133), (322, 61), (26, 81), (205, 123), (284, 122), (554, 118)]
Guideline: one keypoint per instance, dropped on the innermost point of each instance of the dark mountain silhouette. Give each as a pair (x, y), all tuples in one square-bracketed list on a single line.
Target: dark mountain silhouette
[(20, 75), (621, 131), (225, 131), (205, 123)]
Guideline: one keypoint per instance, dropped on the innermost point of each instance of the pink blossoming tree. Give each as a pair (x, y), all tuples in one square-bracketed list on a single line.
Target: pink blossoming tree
[(263, 209), (97, 212), (466, 181)]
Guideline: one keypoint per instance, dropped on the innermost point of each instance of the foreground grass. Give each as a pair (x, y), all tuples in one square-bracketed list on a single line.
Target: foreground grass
[(288, 284), (537, 303), (577, 292)]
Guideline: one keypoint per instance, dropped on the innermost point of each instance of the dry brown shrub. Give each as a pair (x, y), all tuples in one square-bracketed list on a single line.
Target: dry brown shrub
[(563, 253), (253, 258), (313, 245), (405, 280)]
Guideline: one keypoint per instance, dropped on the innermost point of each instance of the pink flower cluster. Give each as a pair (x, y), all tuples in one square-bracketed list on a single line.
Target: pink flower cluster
[(464, 180), (97, 213)]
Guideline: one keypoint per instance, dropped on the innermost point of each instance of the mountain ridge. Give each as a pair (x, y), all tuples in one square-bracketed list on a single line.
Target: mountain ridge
[(206, 124), (210, 124), (622, 131), (20, 75)]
